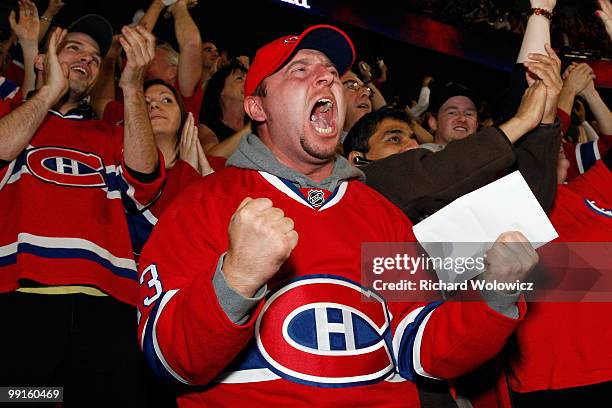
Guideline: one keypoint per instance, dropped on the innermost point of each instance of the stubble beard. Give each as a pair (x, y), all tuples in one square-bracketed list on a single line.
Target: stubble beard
[(316, 152)]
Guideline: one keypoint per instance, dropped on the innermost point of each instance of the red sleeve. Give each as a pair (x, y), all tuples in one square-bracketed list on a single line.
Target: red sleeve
[(178, 178), (15, 72), (595, 183), (449, 339), (565, 120), (137, 196), (113, 113), (583, 156), (217, 163), (193, 102), (184, 333)]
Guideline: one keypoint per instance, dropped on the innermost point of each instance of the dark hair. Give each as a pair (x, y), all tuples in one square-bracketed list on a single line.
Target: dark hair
[(179, 101), (210, 111), (361, 132)]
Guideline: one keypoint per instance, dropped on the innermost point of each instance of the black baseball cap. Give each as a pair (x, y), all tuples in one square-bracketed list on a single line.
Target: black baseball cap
[(442, 93), (97, 27)]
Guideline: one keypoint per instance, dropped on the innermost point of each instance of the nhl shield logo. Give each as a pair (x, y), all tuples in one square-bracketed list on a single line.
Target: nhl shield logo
[(316, 198)]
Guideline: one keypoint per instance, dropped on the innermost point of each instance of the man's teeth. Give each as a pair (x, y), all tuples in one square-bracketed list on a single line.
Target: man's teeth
[(79, 69), (328, 105), (461, 128), (324, 130)]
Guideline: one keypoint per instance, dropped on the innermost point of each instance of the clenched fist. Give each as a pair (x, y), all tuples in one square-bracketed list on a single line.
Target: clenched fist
[(261, 239), (511, 258)]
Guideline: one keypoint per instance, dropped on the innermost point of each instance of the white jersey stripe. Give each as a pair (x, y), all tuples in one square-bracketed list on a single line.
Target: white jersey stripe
[(158, 351), (66, 243), (248, 376)]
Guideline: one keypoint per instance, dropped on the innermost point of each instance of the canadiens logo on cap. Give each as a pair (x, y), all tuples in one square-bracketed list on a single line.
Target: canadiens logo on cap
[(329, 40), (290, 40)]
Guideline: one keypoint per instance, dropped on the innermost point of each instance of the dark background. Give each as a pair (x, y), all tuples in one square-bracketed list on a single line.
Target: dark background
[(241, 26)]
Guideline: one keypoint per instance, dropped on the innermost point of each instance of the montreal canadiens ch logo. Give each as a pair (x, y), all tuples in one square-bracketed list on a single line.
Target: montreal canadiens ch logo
[(319, 331), (66, 167)]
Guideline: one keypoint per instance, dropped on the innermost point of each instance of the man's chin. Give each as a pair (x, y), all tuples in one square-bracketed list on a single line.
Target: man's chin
[(321, 153)]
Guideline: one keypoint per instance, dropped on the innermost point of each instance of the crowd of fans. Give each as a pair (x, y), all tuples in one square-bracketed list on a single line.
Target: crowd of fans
[(223, 200), (575, 26)]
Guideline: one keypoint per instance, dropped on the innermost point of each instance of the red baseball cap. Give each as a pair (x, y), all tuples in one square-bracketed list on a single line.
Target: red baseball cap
[(330, 40)]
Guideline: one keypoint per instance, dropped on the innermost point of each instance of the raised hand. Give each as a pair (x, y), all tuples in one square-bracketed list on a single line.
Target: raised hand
[(261, 239), (204, 167), (54, 7), (190, 149), (244, 61), (139, 47), (577, 77), (365, 71), (28, 27), (605, 14), (529, 114), (56, 73), (548, 69), (511, 258)]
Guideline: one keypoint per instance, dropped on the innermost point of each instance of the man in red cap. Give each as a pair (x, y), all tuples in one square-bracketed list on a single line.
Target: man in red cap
[(249, 283)]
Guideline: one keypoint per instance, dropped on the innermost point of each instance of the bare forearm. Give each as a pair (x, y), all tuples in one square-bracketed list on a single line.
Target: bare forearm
[(536, 35), (190, 47), (139, 150), (185, 29), (104, 90), (152, 15), (421, 134), (29, 79), (566, 100), (45, 23), (514, 129), (18, 127), (600, 111), (227, 147)]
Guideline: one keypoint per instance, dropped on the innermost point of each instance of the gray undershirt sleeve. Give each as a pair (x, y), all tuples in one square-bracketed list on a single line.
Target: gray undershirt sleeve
[(503, 303), (236, 307)]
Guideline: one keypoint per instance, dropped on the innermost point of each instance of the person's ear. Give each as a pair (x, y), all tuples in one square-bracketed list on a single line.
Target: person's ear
[(433, 123), (253, 107), (352, 157)]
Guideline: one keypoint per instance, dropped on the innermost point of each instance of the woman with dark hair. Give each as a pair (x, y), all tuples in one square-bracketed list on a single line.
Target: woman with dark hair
[(222, 118), (177, 138)]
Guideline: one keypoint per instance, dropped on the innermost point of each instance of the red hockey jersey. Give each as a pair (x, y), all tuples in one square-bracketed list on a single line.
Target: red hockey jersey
[(563, 345), (63, 202), (315, 341)]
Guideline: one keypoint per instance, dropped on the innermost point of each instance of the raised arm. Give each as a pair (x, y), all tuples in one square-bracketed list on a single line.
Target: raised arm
[(139, 150), (104, 90), (605, 14), (377, 98), (190, 48), (537, 32), (575, 79), (598, 107), (53, 8), (152, 15), (27, 31), (18, 127)]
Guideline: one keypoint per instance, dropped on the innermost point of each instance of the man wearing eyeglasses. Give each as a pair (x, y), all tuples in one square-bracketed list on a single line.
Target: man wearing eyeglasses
[(360, 99)]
